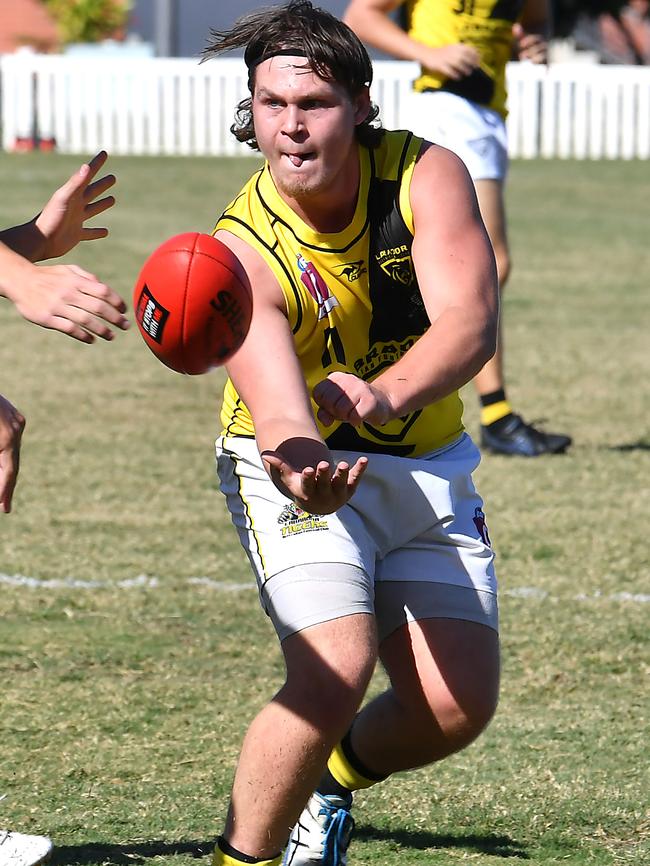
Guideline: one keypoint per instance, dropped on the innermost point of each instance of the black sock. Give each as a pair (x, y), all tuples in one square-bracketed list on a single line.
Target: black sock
[(493, 397), (228, 849), (329, 785), (499, 416)]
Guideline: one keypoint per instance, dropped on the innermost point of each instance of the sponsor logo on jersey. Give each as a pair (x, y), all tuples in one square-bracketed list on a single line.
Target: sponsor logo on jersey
[(316, 286), (352, 270), (293, 520), (380, 356), (481, 526), (151, 315), (397, 263)]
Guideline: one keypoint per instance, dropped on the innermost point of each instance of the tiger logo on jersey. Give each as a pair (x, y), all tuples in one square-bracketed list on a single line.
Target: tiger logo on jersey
[(316, 286), (397, 264)]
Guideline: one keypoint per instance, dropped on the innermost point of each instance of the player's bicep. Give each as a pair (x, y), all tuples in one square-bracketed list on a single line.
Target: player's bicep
[(265, 370), (452, 253)]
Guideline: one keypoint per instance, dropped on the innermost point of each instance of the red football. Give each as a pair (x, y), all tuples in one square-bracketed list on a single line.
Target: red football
[(192, 303)]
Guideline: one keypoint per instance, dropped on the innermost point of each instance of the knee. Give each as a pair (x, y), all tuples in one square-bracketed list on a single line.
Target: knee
[(328, 692), (449, 725), (462, 723)]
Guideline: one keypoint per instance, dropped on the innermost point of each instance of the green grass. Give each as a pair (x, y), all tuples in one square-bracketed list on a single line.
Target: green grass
[(123, 704)]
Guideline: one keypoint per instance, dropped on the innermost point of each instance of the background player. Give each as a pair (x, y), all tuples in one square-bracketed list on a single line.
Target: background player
[(460, 102)]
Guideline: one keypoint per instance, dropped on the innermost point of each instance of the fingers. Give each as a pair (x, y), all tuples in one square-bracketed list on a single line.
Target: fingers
[(81, 179), (334, 402), (78, 305), (93, 234), (94, 208), (99, 187), (95, 164)]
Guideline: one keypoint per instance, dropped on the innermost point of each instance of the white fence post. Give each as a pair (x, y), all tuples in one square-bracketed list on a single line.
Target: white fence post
[(178, 106)]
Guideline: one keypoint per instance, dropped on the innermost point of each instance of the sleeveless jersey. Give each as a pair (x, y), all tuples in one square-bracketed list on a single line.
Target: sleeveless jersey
[(352, 298), (484, 24)]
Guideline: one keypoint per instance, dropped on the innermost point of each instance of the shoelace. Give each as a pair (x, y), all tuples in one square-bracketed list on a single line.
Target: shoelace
[(336, 840)]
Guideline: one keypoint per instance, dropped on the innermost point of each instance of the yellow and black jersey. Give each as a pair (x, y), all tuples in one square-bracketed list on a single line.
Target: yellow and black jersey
[(484, 24), (352, 297)]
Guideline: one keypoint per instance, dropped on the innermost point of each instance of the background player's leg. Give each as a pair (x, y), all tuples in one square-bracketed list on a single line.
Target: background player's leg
[(287, 745), (503, 431), (491, 203)]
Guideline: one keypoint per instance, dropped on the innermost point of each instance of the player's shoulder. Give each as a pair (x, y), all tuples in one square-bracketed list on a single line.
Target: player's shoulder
[(435, 162)]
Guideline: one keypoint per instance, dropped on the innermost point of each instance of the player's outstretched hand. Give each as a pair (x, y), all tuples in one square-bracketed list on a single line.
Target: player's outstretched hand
[(61, 222), (318, 489), (12, 425), (345, 397), (68, 299)]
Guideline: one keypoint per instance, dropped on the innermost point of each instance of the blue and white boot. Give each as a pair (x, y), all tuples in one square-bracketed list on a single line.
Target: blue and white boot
[(322, 834)]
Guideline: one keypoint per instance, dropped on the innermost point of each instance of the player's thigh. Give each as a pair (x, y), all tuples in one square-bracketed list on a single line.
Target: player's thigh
[(448, 666)]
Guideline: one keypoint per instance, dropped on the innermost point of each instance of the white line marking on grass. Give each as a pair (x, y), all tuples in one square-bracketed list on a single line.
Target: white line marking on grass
[(142, 580), (147, 582)]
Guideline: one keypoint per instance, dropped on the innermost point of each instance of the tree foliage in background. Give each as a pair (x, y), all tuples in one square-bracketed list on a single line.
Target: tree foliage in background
[(88, 20), (566, 12)]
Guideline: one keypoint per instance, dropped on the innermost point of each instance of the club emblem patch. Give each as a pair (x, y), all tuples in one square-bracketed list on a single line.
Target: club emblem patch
[(397, 263), (293, 520), (151, 315), (481, 526), (316, 286)]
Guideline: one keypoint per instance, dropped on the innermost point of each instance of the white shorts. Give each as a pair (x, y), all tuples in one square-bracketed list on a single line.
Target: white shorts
[(475, 133), (412, 520)]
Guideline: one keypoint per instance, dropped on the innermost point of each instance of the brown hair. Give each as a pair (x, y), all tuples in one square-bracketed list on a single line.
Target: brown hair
[(328, 45)]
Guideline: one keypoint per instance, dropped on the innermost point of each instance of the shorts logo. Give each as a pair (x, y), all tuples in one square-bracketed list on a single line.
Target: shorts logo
[(151, 315), (352, 270), (481, 526), (316, 286), (294, 521), (397, 264)]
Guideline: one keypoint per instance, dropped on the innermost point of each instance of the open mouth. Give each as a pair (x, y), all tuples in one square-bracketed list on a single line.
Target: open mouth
[(297, 159)]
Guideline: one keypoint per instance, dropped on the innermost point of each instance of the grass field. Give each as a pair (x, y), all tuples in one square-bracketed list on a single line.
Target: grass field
[(132, 649)]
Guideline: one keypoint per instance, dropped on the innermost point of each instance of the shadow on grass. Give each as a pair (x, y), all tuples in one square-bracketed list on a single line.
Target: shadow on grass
[(139, 852), (497, 846), (136, 852), (639, 445)]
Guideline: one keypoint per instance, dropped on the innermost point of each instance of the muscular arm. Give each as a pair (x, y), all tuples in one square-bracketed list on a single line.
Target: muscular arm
[(456, 273), (268, 377), (370, 20)]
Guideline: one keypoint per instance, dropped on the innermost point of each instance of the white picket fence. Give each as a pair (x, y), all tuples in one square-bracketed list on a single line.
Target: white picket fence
[(176, 106)]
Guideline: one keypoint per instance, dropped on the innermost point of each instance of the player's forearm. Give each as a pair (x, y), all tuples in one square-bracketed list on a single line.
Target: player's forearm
[(454, 349), (26, 240), (298, 441), (377, 29)]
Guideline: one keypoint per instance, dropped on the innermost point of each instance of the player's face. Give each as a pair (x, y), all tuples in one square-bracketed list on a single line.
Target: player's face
[(305, 128)]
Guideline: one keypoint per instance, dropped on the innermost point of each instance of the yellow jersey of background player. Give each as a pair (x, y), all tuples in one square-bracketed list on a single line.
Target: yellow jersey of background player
[(352, 297), (486, 25)]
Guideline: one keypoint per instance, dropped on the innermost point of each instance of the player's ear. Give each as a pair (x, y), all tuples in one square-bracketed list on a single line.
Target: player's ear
[(361, 105)]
